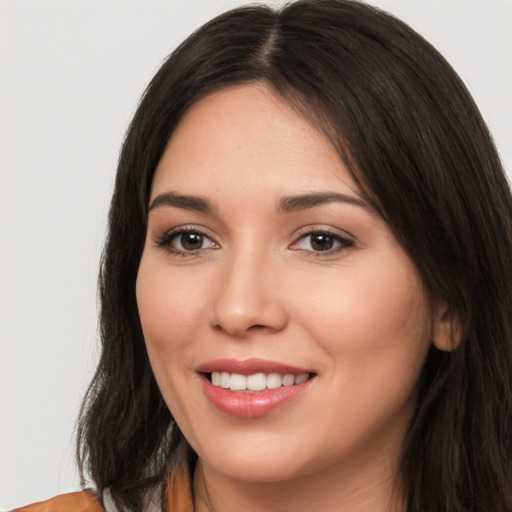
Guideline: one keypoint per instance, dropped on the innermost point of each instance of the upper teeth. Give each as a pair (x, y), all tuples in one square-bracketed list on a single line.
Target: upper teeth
[(257, 381)]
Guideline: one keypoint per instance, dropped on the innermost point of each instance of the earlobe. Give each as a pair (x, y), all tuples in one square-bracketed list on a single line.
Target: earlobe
[(447, 331)]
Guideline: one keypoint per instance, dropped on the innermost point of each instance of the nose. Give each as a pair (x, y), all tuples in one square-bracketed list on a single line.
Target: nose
[(248, 298)]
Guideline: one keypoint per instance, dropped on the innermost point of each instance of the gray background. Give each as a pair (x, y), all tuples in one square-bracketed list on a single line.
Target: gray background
[(71, 73)]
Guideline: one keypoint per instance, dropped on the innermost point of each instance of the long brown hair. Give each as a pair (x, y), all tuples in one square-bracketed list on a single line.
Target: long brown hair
[(404, 123)]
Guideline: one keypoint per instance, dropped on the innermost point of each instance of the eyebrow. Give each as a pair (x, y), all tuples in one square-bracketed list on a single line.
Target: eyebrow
[(193, 203), (287, 204), (291, 204)]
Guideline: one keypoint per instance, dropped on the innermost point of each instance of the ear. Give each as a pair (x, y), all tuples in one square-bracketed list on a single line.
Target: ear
[(447, 330)]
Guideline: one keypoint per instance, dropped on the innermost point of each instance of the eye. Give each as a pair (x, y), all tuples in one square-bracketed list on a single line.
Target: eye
[(189, 241), (185, 242), (322, 242)]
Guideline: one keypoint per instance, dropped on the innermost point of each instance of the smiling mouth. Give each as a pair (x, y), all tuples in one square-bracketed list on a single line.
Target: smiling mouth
[(256, 381)]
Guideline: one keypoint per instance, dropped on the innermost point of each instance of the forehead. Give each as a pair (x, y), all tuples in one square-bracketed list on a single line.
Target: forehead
[(248, 133)]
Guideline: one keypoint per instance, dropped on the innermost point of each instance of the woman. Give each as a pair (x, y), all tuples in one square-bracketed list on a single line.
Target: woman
[(306, 287)]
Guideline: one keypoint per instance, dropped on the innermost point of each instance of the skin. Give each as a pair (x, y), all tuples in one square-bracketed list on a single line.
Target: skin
[(358, 315)]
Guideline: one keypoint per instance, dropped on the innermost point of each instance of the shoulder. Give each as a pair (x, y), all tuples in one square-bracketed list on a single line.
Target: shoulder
[(83, 501)]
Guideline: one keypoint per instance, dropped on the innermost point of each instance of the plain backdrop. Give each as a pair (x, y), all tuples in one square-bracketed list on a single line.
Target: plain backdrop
[(71, 73)]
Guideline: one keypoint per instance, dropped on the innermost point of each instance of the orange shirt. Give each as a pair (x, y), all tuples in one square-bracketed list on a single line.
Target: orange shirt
[(74, 502), (179, 498)]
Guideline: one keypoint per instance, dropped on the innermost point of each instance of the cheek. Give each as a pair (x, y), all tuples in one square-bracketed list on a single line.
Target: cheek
[(374, 310), (169, 319), (388, 309), (374, 327), (169, 306)]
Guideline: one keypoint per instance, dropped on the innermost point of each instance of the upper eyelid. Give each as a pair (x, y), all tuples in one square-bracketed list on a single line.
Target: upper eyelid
[(316, 228), (186, 228), (158, 235)]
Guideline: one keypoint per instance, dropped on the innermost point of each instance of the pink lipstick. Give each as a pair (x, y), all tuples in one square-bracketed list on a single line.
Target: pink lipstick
[(253, 387)]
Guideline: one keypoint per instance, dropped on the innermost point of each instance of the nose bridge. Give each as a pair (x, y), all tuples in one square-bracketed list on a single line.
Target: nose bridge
[(246, 298)]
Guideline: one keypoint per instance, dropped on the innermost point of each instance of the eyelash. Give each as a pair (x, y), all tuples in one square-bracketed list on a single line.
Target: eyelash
[(344, 243), (166, 240)]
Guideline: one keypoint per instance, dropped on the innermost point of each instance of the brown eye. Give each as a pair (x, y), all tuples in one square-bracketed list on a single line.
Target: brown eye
[(189, 241), (318, 242), (322, 242), (185, 242)]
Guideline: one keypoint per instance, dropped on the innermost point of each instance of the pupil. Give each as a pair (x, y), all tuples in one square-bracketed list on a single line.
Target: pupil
[(191, 241), (322, 242)]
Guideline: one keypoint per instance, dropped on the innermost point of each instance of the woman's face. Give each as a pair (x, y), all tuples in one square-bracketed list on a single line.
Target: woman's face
[(264, 266)]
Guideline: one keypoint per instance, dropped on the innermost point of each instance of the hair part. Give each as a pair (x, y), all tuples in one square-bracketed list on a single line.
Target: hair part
[(408, 130)]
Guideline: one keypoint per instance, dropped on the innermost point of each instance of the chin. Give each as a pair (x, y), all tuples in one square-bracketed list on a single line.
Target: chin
[(255, 457), (257, 470)]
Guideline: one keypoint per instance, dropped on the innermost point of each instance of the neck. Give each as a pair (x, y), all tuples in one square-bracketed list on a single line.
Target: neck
[(355, 487)]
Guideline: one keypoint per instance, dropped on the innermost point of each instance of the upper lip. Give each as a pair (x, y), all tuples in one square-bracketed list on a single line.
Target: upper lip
[(250, 367)]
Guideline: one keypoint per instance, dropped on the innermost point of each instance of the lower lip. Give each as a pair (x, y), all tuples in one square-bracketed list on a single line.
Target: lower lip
[(252, 404)]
